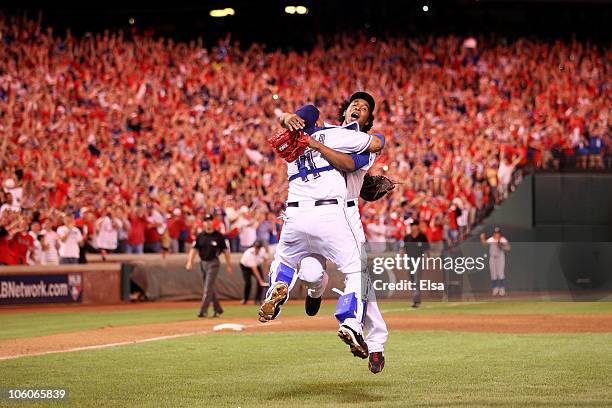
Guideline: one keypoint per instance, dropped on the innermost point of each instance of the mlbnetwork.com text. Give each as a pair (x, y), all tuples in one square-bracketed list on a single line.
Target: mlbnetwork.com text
[(13, 290)]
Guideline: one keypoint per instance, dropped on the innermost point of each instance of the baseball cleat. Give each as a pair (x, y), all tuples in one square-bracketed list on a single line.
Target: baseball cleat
[(312, 305), (377, 362), (359, 348), (270, 308)]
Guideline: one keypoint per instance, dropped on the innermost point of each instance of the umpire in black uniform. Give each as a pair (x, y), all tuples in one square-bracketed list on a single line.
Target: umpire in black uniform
[(415, 244), (209, 244)]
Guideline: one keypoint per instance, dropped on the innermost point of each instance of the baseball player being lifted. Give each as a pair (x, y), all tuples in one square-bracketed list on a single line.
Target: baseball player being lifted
[(312, 268), (316, 217)]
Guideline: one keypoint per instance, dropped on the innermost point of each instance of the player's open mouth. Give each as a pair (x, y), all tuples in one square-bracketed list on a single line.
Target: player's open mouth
[(355, 115)]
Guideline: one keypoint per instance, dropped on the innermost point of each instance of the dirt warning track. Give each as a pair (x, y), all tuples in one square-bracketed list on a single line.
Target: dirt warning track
[(123, 335)]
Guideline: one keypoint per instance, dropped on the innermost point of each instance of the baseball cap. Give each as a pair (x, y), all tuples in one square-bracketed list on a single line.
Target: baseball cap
[(366, 97), (208, 217), (497, 229)]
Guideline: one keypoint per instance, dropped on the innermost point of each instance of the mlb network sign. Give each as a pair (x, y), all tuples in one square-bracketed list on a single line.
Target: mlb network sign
[(61, 288)]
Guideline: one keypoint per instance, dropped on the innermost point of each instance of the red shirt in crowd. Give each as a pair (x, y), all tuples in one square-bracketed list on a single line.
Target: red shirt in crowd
[(175, 226), (136, 234), (151, 235), (61, 191), (6, 254), (19, 246), (436, 233), (452, 220)]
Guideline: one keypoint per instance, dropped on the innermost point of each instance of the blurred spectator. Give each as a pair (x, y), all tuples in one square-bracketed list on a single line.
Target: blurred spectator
[(7, 230), (22, 243), (122, 235), (176, 226), (70, 239), (275, 230), (7, 203), (415, 244), (121, 120), (35, 254), (435, 235), (136, 231), (264, 230), (596, 146), (504, 173), (247, 228), (377, 234), (50, 244), (156, 226), (87, 224), (108, 226), (15, 193)]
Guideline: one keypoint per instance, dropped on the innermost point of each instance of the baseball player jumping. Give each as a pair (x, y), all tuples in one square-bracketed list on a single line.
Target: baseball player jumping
[(312, 268), (316, 216), (312, 272)]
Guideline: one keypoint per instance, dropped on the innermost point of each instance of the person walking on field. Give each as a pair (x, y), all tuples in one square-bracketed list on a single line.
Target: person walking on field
[(415, 245), (497, 244), (209, 244)]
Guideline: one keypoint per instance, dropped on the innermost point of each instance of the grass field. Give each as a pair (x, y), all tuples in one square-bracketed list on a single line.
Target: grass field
[(297, 369)]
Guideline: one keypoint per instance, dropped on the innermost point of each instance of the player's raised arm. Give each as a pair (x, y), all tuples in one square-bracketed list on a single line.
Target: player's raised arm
[(304, 118)]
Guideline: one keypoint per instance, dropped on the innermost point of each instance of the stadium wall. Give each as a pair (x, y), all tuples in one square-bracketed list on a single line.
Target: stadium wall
[(560, 228), (88, 284)]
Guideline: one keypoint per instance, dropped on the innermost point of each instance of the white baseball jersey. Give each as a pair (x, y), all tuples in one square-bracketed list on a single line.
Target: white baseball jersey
[(354, 180), (312, 268), (312, 228), (312, 177)]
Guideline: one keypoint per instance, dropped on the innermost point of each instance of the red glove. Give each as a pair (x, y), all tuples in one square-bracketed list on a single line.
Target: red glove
[(289, 144)]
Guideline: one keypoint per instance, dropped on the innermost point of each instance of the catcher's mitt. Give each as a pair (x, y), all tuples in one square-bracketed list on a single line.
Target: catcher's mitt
[(289, 144), (375, 187)]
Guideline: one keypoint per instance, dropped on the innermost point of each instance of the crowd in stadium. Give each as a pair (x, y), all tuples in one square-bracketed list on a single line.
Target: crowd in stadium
[(116, 142)]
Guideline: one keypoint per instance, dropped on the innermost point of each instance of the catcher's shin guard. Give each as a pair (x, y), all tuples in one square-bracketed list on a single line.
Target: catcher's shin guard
[(346, 308)]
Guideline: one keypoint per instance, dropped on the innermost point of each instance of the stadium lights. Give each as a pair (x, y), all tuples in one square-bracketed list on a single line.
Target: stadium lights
[(296, 10), (222, 12)]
